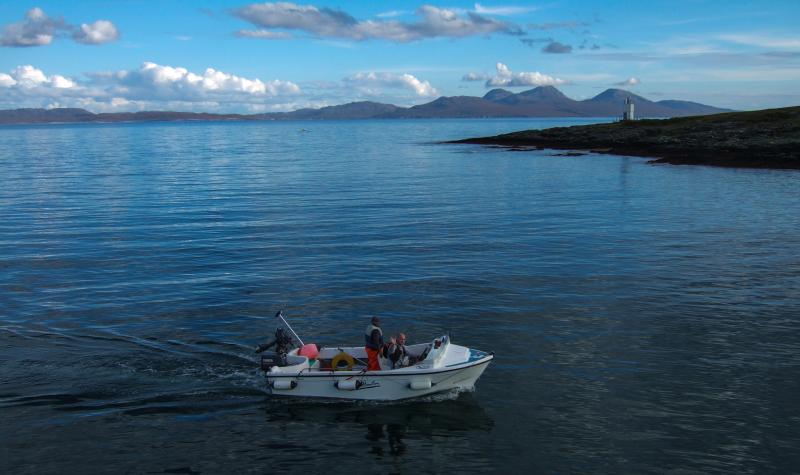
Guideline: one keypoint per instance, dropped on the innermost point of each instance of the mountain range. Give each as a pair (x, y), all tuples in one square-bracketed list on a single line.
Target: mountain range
[(543, 101)]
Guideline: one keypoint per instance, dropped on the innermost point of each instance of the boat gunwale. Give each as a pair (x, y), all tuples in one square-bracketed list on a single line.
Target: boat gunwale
[(331, 373)]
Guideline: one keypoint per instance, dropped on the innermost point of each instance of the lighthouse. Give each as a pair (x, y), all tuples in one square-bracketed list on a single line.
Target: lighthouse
[(628, 113)]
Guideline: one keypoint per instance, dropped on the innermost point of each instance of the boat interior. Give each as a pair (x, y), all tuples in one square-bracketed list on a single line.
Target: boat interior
[(329, 357)]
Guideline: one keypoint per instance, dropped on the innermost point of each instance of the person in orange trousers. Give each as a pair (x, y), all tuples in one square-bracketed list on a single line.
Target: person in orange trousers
[(373, 339)]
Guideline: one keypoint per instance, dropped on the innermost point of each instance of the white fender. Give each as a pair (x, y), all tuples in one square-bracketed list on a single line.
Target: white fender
[(419, 384), (284, 384), (347, 385)]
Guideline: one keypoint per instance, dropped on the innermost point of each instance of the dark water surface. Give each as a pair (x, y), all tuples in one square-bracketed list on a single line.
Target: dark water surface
[(646, 318)]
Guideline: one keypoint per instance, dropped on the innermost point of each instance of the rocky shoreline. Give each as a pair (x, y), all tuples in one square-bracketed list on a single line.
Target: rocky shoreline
[(757, 139)]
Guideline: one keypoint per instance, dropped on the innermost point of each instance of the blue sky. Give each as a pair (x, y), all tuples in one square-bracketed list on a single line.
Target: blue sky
[(250, 57)]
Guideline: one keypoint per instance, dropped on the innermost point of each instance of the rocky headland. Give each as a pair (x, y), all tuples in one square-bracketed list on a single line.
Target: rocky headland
[(757, 139)]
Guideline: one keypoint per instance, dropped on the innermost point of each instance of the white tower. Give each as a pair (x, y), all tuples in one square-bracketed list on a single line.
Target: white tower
[(628, 113)]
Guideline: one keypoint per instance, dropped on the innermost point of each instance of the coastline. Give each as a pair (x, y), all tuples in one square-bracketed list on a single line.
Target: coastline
[(757, 139)]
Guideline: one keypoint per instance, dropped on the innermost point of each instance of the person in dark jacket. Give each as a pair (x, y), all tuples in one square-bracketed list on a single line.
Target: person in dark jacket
[(373, 343), (398, 353)]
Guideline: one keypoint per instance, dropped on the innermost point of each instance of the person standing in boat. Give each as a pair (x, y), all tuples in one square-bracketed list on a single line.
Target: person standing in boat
[(373, 337)]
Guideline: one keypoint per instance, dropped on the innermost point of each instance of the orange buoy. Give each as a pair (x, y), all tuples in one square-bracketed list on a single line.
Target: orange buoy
[(309, 350)]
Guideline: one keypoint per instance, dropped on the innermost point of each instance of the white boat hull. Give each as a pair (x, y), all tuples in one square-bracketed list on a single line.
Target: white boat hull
[(378, 386), (452, 368)]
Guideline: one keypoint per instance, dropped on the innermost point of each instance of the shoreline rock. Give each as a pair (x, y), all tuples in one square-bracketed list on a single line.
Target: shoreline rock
[(757, 139)]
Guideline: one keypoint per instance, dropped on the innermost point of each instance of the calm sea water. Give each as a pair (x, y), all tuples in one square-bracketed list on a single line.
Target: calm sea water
[(646, 318)]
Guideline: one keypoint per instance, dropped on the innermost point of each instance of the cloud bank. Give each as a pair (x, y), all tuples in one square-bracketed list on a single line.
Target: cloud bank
[(150, 86), (154, 86), (28, 78), (506, 78), (323, 22), (368, 82), (179, 83), (38, 29)]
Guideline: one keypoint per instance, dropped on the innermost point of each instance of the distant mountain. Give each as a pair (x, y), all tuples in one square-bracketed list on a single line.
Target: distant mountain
[(70, 115), (694, 107), (543, 101), (456, 106), (351, 110), (23, 116), (542, 94), (497, 95), (614, 99)]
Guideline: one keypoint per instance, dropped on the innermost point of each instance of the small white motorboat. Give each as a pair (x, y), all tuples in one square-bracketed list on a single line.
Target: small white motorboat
[(341, 372)]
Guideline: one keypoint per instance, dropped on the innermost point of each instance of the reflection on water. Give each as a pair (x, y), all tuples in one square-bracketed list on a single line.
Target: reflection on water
[(645, 319), (386, 425)]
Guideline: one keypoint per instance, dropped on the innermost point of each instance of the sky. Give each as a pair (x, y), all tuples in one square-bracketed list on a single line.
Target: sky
[(236, 56)]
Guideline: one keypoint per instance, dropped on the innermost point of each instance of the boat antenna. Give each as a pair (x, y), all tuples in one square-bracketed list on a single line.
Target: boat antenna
[(280, 316)]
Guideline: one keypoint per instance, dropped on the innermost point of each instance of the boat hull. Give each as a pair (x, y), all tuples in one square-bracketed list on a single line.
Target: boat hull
[(377, 385)]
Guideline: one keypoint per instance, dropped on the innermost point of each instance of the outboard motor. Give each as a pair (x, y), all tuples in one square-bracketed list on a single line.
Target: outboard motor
[(283, 343)]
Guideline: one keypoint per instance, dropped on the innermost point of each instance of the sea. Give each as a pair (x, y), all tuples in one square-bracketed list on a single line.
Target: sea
[(644, 318)]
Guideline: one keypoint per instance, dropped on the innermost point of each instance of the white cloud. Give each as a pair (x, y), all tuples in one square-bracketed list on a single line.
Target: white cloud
[(369, 81), (60, 82), (28, 77), (6, 80), (763, 41), (97, 33), (506, 78), (181, 84), (328, 23), (119, 102), (37, 29), (264, 34), (392, 14), (469, 77), (631, 81), (503, 11), (151, 86), (154, 86), (35, 14), (27, 86)]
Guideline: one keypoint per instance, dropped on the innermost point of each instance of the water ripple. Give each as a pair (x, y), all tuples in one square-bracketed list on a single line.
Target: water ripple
[(645, 318)]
